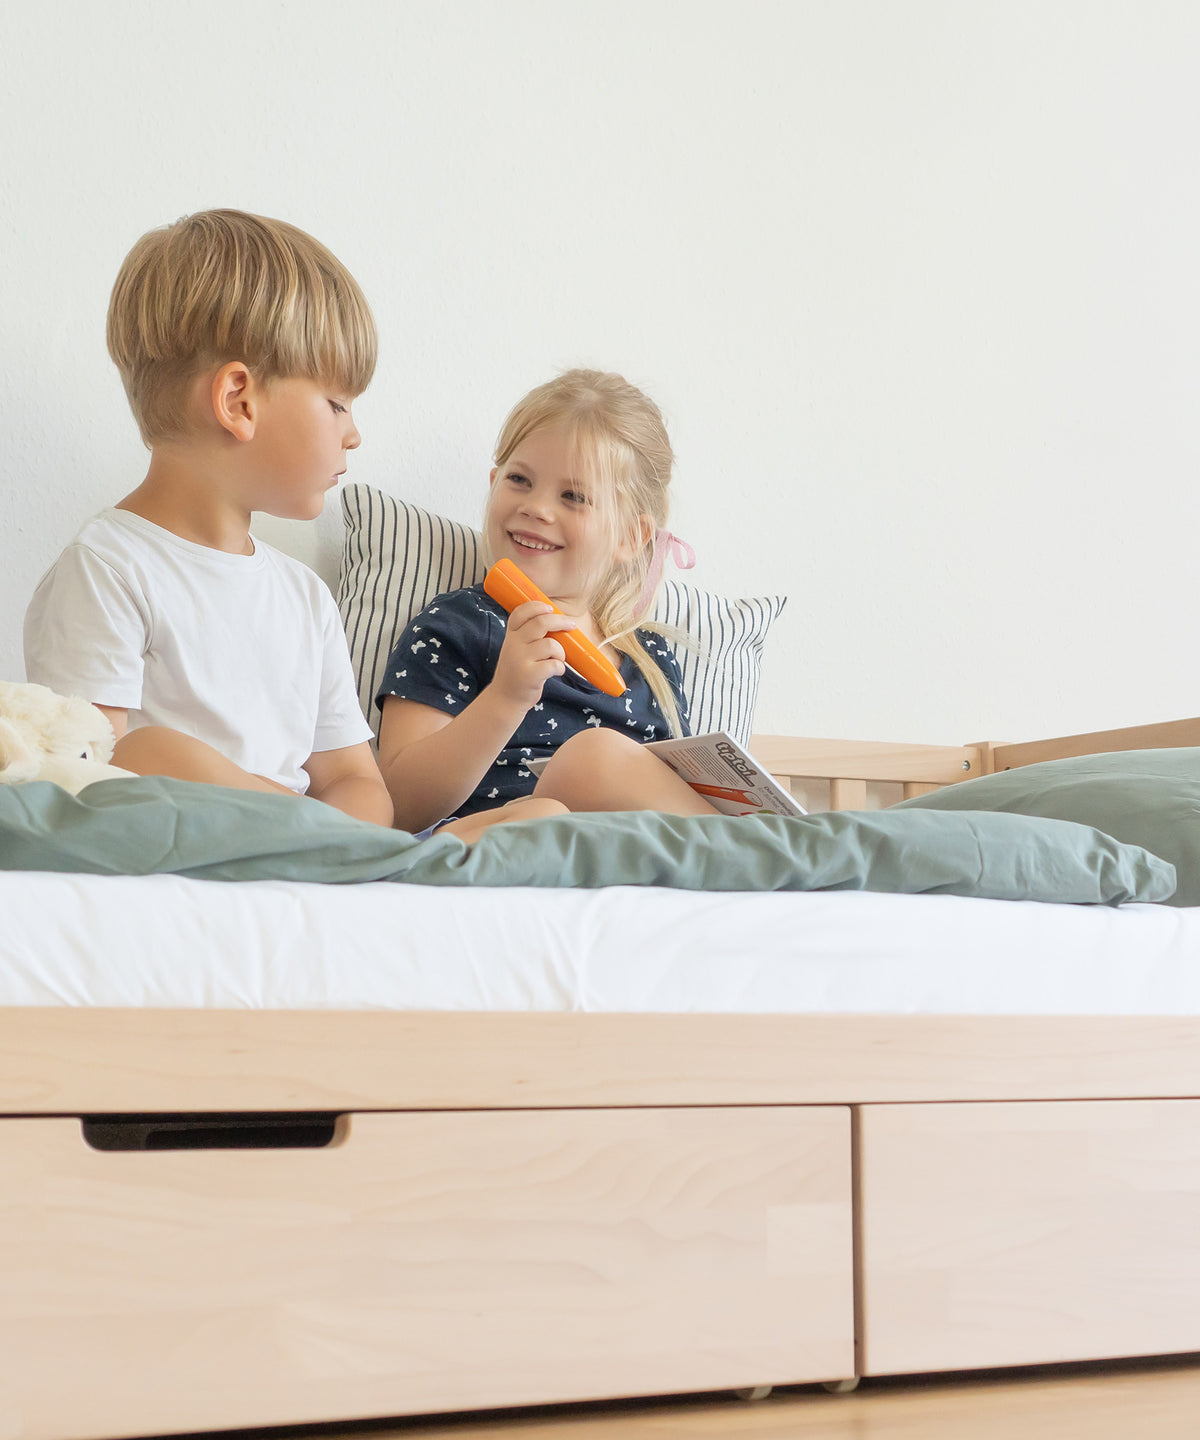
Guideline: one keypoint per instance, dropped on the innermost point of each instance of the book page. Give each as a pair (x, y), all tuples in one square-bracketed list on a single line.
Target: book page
[(728, 776)]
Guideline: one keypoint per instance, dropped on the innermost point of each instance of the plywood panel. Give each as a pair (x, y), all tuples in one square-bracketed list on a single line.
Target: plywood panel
[(420, 1263), (1023, 1234), (66, 1060)]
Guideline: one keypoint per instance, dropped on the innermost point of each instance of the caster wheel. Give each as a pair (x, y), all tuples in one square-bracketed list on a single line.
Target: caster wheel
[(840, 1387), (753, 1392)]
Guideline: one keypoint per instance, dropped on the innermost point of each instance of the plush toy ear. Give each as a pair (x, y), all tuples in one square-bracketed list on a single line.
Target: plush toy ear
[(18, 760)]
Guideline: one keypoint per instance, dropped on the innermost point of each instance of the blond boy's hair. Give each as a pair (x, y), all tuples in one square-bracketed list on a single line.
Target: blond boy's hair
[(224, 285), (621, 453)]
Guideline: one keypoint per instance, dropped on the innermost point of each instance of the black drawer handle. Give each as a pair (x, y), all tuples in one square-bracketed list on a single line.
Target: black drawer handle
[(308, 1131)]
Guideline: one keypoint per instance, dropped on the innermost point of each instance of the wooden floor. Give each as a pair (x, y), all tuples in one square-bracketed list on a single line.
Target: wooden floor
[(1156, 1400)]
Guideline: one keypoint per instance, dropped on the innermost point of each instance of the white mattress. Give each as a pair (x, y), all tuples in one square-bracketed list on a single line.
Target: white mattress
[(166, 942)]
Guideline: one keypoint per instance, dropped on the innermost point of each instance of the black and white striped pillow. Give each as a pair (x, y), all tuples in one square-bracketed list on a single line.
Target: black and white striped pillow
[(722, 666), (396, 558)]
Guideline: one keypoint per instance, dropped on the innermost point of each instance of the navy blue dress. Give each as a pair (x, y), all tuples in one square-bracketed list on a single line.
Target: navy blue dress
[(448, 654)]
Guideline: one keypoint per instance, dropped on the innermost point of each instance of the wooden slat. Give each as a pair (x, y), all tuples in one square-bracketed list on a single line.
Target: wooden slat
[(1167, 735), (847, 794), (913, 788), (987, 756), (863, 760), (66, 1060)]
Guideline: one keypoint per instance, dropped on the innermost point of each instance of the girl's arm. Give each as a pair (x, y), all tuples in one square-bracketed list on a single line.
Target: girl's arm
[(432, 761)]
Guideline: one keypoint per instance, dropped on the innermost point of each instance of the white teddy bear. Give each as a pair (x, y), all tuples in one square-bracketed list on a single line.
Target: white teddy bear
[(46, 736)]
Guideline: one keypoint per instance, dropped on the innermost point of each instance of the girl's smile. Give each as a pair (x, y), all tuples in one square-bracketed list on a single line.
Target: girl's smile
[(541, 517), (530, 542)]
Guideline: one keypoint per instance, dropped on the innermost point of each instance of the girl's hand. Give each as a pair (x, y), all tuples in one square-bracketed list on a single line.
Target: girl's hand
[(530, 654)]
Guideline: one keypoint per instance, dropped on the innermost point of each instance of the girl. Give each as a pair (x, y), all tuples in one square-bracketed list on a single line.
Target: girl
[(578, 501)]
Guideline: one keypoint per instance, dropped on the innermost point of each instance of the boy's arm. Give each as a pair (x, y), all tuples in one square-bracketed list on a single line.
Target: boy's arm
[(118, 719), (349, 780)]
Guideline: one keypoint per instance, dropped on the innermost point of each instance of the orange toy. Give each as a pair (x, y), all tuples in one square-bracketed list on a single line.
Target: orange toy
[(721, 792), (509, 587)]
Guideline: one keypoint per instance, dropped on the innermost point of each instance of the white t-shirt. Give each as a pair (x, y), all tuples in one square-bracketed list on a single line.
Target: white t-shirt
[(245, 652)]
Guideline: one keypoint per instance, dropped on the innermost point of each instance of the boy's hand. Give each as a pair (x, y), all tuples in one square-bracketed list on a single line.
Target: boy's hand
[(530, 654)]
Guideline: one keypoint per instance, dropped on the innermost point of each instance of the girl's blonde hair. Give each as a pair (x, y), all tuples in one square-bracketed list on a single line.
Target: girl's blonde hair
[(225, 285), (621, 454)]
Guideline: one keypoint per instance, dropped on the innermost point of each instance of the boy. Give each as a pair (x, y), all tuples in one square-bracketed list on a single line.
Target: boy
[(241, 342)]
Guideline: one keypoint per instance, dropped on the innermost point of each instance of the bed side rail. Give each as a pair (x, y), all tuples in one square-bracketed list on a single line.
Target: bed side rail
[(1167, 735), (848, 765)]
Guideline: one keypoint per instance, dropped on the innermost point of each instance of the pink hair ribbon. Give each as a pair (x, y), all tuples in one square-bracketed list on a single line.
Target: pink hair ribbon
[(664, 544)]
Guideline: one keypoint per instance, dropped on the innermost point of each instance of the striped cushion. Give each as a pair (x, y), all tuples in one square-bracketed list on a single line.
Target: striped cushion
[(722, 666), (396, 558)]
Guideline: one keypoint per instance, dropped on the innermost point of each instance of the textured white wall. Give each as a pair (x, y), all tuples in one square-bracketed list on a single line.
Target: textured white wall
[(916, 285)]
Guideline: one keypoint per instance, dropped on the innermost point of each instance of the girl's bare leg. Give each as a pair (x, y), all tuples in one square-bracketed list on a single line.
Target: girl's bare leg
[(601, 769), (527, 808)]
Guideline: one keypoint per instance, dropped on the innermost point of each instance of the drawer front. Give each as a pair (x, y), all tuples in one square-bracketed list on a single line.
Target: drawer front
[(1016, 1234), (420, 1262)]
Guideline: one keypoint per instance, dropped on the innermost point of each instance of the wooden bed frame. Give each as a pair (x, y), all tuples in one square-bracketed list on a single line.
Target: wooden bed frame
[(452, 1211)]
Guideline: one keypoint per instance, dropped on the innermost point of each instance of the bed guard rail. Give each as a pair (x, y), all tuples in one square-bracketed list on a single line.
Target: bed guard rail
[(848, 765), (1167, 735)]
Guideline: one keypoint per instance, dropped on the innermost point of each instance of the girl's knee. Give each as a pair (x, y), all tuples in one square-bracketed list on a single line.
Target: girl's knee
[(595, 742), (535, 807), (597, 769), (529, 807)]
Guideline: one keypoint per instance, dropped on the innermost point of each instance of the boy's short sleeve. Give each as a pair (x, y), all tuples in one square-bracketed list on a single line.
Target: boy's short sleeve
[(340, 721), (87, 631), (447, 654)]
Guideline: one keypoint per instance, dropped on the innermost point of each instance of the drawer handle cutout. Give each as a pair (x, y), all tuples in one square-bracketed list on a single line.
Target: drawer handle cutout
[(210, 1132)]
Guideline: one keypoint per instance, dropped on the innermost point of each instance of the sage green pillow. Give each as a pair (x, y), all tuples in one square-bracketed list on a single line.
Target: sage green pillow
[(1149, 798), (153, 825)]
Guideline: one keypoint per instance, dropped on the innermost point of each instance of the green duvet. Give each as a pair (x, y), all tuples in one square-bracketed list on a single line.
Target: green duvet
[(157, 826)]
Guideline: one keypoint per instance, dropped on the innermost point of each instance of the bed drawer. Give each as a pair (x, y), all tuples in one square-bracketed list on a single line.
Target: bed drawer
[(1014, 1234), (420, 1262)]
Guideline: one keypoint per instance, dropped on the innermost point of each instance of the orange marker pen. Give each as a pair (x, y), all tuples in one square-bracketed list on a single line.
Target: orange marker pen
[(510, 587)]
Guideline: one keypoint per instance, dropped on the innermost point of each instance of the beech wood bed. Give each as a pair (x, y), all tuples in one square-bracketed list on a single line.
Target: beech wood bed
[(446, 1211)]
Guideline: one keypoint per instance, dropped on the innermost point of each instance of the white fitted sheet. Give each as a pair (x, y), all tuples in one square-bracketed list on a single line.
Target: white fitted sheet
[(161, 941)]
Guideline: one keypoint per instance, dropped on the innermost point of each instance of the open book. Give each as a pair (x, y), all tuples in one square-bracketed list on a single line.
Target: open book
[(717, 767)]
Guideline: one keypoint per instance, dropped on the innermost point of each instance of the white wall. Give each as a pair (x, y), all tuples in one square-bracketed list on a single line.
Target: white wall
[(915, 283)]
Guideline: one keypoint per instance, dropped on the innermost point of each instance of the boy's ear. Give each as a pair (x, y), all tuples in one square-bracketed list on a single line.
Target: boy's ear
[(235, 394)]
